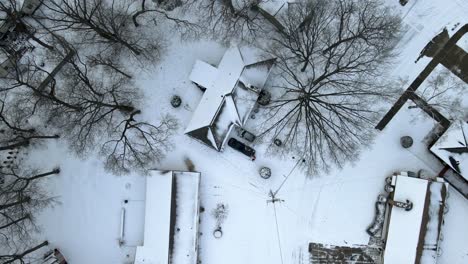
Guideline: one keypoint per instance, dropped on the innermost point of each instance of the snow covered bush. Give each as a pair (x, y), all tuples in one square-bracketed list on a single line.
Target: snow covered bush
[(220, 213)]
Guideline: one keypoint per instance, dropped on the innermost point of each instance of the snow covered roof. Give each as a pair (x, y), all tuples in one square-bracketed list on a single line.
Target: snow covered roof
[(452, 148), (3, 56), (413, 235), (171, 218), (232, 90), (29, 6), (274, 6)]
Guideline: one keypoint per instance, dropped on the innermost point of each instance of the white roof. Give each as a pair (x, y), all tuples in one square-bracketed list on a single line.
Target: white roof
[(274, 6), (186, 223), (159, 217), (3, 56), (227, 100), (455, 137), (217, 87), (3, 15), (413, 236), (405, 226), (432, 229), (203, 74), (155, 249)]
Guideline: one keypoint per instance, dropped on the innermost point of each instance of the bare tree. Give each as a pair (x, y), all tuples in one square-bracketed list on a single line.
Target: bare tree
[(107, 114), (16, 132), (138, 145), (445, 92), (23, 255), (332, 55), (21, 198), (13, 16), (99, 22), (227, 19), (87, 105), (110, 64), (162, 10), (13, 139)]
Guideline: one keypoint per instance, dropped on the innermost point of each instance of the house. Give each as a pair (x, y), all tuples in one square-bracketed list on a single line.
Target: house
[(452, 148), (230, 90), (171, 219), (414, 217)]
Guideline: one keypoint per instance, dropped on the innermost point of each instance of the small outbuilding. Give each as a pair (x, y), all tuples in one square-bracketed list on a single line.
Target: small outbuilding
[(230, 90)]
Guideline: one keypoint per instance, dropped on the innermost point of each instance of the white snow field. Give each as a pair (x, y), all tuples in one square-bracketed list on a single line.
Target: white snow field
[(334, 208)]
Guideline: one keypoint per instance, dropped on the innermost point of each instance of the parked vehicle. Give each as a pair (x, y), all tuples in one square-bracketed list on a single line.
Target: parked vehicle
[(245, 134), (241, 147)]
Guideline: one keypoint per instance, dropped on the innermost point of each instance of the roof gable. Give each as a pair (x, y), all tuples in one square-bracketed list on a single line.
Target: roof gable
[(222, 106)]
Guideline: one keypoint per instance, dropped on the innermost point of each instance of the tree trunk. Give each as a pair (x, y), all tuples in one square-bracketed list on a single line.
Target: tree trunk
[(25, 142), (15, 145), (45, 174), (119, 71), (114, 38), (305, 66), (339, 42), (35, 177), (40, 42), (27, 199), (15, 222), (13, 258)]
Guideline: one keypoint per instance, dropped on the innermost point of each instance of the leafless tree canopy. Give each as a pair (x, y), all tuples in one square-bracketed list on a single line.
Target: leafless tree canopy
[(22, 256), (161, 10), (91, 102), (136, 144), (445, 92), (106, 24), (21, 198), (88, 106), (227, 19), (332, 55)]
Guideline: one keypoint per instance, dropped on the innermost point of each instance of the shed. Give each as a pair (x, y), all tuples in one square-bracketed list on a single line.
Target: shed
[(171, 219), (412, 236)]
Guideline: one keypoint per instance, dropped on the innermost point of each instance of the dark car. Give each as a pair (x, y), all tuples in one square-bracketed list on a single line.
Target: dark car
[(245, 134), (241, 147)]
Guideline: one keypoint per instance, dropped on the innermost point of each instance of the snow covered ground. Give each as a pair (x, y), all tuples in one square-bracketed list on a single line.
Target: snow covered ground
[(333, 209)]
